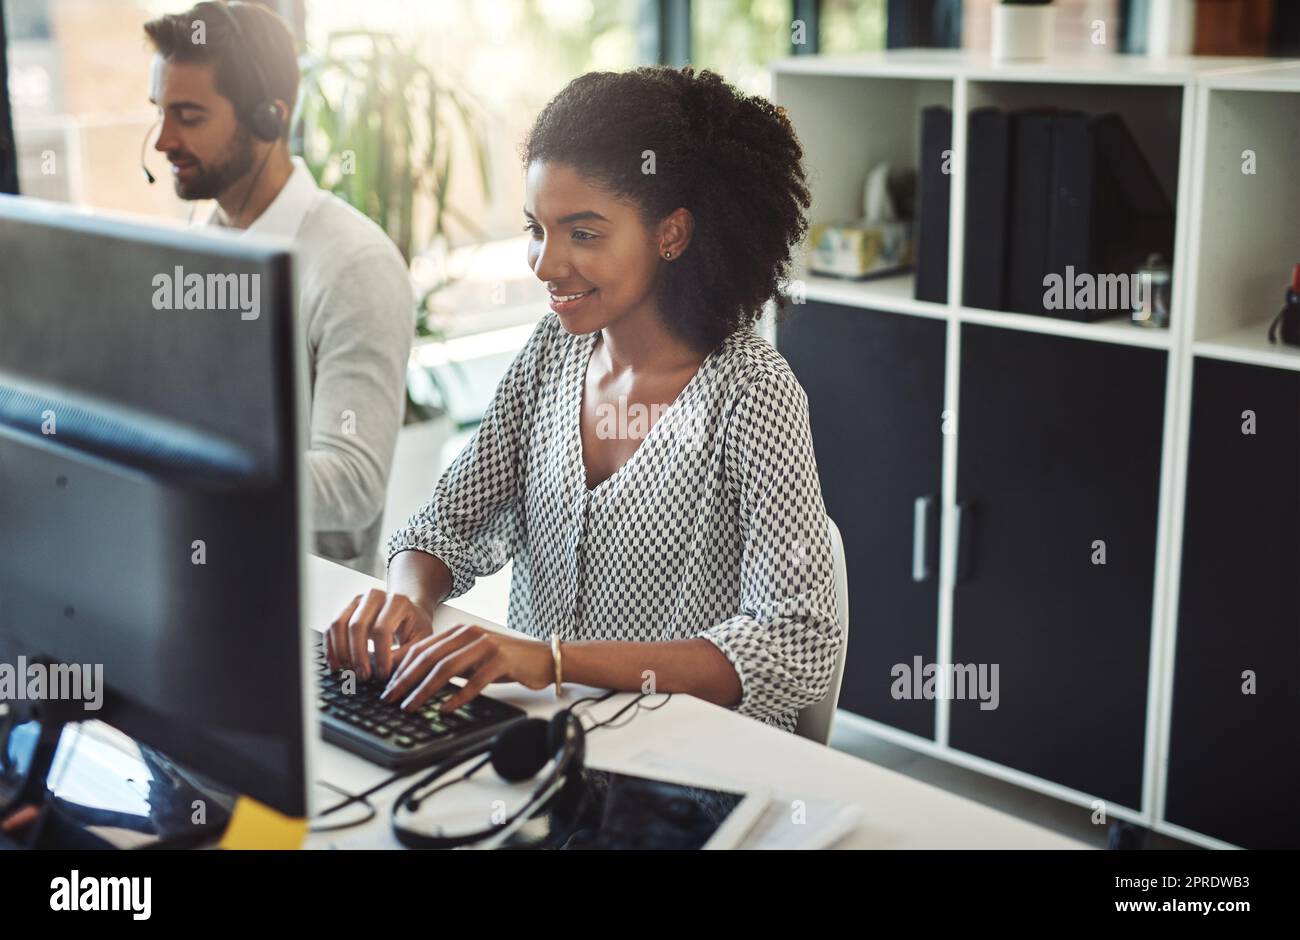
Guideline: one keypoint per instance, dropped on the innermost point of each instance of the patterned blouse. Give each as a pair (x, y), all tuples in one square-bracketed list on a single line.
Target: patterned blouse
[(714, 527)]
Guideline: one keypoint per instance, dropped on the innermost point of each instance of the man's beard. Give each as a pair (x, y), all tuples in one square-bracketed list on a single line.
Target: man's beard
[(211, 182)]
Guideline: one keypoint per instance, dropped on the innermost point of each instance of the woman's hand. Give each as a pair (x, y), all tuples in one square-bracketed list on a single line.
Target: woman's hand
[(392, 620), (471, 651)]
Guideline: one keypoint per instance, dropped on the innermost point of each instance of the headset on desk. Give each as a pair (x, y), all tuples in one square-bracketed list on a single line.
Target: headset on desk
[(517, 753)]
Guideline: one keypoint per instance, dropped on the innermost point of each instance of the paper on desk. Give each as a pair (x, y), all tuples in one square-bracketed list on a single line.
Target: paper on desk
[(787, 823), (802, 824)]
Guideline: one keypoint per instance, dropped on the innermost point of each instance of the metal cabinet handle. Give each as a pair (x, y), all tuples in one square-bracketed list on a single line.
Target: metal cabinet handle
[(920, 532)]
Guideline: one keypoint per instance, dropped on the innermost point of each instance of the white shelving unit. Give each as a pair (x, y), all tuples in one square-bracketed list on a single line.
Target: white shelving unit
[(1242, 269), (1249, 344), (894, 294), (1117, 329), (1241, 243), (1192, 117), (836, 102)]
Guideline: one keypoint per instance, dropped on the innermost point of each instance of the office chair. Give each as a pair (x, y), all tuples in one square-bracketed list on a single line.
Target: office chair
[(815, 720)]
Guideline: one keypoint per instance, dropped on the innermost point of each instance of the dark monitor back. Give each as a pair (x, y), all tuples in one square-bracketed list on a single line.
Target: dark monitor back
[(149, 515)]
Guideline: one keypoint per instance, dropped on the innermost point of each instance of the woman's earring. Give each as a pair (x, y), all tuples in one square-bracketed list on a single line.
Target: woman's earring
[(667, 255)]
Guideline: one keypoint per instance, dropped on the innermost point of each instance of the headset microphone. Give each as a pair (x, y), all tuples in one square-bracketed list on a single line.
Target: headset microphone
[(144, 145)]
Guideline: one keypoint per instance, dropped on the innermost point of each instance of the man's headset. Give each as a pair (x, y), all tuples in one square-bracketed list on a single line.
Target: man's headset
[(263, 117), (518, 753)]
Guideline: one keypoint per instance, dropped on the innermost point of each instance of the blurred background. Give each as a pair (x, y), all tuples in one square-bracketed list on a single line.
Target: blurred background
[(413, 112), (78, 72)]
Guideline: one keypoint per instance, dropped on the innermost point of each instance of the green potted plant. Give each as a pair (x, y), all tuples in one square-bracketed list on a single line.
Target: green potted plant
[(379, 130)]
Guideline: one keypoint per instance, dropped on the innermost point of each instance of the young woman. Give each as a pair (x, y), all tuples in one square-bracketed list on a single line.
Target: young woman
[(683, 552)]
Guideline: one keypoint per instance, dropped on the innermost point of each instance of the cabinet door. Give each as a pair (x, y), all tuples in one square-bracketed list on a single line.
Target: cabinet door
[(1058, 461), (875, 397), (1234, 756)]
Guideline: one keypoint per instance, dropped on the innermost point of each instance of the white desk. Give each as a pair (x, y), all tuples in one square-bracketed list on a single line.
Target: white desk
[(897, 811)]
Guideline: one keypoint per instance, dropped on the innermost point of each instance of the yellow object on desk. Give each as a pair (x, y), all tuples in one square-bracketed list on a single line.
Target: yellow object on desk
[(254, 825)]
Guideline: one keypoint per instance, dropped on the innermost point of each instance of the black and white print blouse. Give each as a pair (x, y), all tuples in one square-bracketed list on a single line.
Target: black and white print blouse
[(713, 528)]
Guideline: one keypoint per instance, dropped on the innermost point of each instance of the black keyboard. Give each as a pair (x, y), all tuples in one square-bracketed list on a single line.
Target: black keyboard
[(384, 734)]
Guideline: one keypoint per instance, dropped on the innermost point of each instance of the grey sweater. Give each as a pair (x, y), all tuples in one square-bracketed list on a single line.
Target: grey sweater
[(356, 312)]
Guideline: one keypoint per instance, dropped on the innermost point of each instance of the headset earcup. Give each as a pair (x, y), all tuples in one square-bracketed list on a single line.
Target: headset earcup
[(263, 118), (265, 122), (520, 750)]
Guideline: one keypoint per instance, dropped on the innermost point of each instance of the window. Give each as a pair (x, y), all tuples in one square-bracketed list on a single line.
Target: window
[(510, 57), (739, 38), (79, 88), (852, 26)]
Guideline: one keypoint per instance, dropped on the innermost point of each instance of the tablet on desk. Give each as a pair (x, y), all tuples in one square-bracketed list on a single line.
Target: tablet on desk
[(614, 809)]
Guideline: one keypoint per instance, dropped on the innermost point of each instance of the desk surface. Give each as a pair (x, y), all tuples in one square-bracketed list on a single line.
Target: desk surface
[(711, 743)]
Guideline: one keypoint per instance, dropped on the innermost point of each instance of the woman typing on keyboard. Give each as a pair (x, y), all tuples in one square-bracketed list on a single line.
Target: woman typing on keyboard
[(646, 461)]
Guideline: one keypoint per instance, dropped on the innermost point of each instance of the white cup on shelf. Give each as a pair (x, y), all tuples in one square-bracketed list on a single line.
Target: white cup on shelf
[(1022, 31)]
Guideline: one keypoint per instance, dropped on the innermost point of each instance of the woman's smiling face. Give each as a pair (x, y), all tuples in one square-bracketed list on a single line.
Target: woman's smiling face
[(591, 249)]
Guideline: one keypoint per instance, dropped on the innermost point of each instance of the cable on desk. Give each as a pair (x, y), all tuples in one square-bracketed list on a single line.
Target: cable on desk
[(636, 704), (364, 797), (371, 812), (416, 798)]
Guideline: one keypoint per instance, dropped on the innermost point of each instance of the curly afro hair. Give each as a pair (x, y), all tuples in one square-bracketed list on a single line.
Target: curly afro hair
[(732, 159)]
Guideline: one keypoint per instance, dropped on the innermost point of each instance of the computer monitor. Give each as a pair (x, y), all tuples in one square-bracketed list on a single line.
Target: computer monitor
[(150, 522)]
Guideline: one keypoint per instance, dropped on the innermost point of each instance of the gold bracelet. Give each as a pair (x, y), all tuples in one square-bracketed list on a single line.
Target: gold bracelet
[(555, 654)]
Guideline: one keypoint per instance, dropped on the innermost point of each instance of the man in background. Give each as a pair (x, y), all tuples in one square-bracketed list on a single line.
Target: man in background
[(225, 79)]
